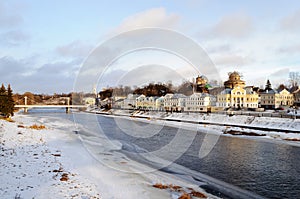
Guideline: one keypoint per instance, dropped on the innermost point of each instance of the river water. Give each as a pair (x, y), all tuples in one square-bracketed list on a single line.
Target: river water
[(268, 169)]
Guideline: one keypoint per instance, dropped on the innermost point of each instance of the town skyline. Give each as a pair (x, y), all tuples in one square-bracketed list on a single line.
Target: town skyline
[(212, 82)]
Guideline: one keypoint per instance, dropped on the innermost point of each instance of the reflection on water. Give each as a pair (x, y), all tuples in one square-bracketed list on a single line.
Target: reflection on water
[(268, 169)]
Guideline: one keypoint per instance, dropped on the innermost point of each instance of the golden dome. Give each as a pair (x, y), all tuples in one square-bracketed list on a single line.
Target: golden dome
[(235, 76), (201, 80), (234, 80)]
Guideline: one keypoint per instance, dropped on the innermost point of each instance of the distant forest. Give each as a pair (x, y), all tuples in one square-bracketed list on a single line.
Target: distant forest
[(152, 89)]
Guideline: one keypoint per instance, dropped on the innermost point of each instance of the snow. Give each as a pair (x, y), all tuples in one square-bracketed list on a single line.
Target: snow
[(281, 124), (35, 162)]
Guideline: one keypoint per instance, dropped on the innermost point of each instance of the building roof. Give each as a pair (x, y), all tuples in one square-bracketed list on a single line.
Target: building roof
[(234, 80), (200, 95), (178, 95), (226, 91), (272, 91)]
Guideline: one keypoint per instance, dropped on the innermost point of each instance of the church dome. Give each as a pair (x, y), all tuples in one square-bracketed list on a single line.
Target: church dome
[(235, 76), (201, 80), (234, 80)]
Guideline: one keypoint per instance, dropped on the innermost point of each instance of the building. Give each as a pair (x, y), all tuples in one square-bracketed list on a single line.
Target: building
[(130, 101), (234, 81), (174, 102), (235, 95), (272, 99), (146, 103), (199, 102), (202, 84), (159, 104), (89, 100), (297, 97)]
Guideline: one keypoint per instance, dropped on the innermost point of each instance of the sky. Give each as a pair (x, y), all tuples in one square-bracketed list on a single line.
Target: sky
[(45, 45)]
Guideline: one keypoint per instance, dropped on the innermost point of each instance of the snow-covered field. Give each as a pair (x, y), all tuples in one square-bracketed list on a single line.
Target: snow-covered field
[(53, 163)]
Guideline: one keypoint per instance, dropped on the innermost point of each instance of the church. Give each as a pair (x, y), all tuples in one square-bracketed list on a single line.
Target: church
[(236, 95)]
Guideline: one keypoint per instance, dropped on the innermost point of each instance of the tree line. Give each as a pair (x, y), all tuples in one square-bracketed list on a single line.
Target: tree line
[(6, 101), (152, 89)]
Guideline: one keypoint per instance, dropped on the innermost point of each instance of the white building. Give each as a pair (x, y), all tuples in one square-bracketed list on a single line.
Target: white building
[(199, 102), (159, 103), (130, 101), (174, 102)]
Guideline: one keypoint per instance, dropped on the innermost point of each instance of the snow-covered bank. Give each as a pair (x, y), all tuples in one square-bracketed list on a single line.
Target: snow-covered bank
[(53, 163), (32, 166), (279, 129)]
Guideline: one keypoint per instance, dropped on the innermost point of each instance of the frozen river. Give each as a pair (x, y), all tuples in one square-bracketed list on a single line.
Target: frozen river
[(269, 169)]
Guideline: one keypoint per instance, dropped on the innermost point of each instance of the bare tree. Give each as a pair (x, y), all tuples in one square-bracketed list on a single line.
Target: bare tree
[(294, 78)]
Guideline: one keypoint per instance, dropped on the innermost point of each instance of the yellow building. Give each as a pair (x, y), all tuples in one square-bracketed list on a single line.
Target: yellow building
[(143, 102), (235, 95), (271, 99)]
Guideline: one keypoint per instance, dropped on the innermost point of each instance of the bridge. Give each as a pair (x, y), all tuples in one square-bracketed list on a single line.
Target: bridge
[(67, 107)]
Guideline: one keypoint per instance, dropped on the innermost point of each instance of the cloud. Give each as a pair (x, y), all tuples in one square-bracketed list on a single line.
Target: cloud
[(280, 72), (232, 26), (14, 37), (232, 60), (156, 17), (291, 22), (66, 68), (141, 75), (74, 49), (290, 49), (9, 16), (24, 76), (10, 67), (220, 48)]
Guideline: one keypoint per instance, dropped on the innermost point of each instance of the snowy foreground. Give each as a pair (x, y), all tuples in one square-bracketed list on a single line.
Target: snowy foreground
[(53, 163)]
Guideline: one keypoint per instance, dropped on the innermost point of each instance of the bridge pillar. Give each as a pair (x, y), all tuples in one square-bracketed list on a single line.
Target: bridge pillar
[(68, 104), (67, 109), (25, 103)]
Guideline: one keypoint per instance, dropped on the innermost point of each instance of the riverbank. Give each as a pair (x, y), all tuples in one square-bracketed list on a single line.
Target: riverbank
[(279, 129), (45, 158)]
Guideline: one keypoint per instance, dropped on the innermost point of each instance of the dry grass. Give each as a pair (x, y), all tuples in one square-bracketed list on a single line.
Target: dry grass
[(185, 196), (292, 139), (37, 127), (64, 177), (160, 186), (191, 193), (198, 194), (8, 119)]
